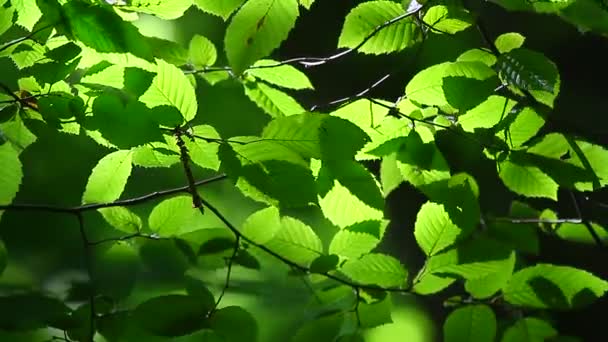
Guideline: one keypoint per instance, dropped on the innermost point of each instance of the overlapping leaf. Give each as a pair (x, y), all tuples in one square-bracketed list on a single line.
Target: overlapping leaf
[(367, 18), (470, 323), (108, 178), (257, 29)]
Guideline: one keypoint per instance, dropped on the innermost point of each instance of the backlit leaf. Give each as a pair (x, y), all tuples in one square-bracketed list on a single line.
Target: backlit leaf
[(175, 216), (366, 18), (171, 87), (201, 51), (221, 8), (10, 174), (285, 76), (527, 180), (529, 329), (257, 29), (108, 178), (377, 269), (550, 286)]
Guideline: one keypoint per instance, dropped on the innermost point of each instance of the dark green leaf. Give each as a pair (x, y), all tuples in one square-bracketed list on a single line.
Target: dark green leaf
[(172, 315), (234, 324)]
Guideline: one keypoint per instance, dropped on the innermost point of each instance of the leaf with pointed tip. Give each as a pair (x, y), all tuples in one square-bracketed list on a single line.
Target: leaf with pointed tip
[(358, 239), (525, 126), (171, 87), (343, 208), (122, 219), (366, 18), (201, 152), (257, 29), (299, 133), (470, 323), (176, 216), (434, 230), (221, 8), (527, 180), (284, 76), (296, 241), (274, 102), (447, 19), (549, 286), (377, 269), (487, 114), (108, 178)]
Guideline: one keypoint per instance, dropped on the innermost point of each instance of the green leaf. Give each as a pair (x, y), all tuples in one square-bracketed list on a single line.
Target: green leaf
[(257, 29), (447, 19), (172, 315), (100, 28), (344, 209), (324, 263), (108, 178), (125, 125), (6, 18), (254, 150), (11, 174), (201, 51), (324, 328), (166, 9), (527, 180), (296, 241), (580, 233), (147, 156), (64, 53), (224, 321), (340, 139), (477, 55), (221, 8), (17, 134), (299, 133), (550, 286), (470, 323), (364, 113), (175, 216), (530, 70), (32, 311), (273, 101), (434, 230), (426, 87), (28, 13), (375, 314), (367, 17), (358, 239), (430, 284), (529, 329), (114, 270), (525, 126), (376, 269), (355, 177), (509, 41), (487, 114), (201, 152), (171, 87), (285, 76), (122, 219), (262, 225), (597, 157)]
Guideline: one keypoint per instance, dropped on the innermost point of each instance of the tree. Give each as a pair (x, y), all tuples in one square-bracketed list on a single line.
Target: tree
[(101, 127)]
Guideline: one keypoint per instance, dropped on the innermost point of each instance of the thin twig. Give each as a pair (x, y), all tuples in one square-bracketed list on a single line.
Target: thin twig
[(596, 238), (354, 97), (308, 62), (229, 263), (120, 203), (22, 39)]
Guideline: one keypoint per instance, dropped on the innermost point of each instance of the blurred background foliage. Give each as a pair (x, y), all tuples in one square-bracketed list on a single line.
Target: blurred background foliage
[(47, 249)]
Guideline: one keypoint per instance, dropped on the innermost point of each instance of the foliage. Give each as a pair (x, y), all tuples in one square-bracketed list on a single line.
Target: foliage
[(115, 106)]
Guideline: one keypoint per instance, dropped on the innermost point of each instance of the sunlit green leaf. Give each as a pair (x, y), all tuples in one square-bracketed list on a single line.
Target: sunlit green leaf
[(201, 51), (509, 41), (166, 9), (122, 219), (487, 114), (175, 216), (171, 87), (108, 178), (527, 180), (257, 29), (273, 101), (470, 323), (551, 286), (434, 231), (10, 174), (377, 269), (285, 76), (366, 18), (358, 239), (343, 208), (444, 19), (28, 13)]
